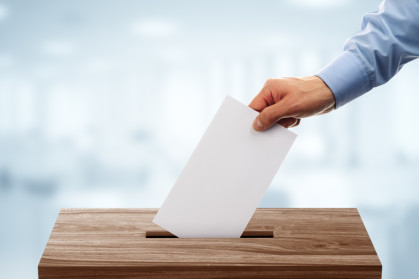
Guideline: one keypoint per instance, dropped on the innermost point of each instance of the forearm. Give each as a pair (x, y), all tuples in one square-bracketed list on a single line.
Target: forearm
[(388, 39)]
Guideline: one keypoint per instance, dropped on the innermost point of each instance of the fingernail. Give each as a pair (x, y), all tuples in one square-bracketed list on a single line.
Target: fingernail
[(257, 125)]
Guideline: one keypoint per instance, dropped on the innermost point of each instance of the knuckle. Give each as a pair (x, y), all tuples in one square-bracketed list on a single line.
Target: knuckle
[(269, 82), (294, 122)]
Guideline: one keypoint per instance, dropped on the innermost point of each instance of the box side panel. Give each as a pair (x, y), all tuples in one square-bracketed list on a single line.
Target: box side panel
[(295, 272)]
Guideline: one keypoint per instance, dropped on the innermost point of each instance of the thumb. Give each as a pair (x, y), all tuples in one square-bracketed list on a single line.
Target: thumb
[(268, 117)]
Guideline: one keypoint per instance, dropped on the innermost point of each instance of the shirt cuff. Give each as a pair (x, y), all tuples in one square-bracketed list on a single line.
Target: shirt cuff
[(347, 77)]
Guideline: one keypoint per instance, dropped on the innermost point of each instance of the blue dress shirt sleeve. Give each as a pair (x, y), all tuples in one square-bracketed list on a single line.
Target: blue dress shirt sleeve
[(389, 38)]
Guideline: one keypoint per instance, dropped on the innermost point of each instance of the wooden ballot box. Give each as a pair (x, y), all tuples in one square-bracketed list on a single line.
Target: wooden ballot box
[(277, 243)]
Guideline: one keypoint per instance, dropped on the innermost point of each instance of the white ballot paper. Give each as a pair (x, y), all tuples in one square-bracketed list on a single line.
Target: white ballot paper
[(226, 177)]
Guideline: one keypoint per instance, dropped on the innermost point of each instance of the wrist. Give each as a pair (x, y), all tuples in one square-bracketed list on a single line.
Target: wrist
[(324, 95)]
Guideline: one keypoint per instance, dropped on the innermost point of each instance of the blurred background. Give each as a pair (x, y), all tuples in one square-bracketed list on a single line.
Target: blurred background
[(102, 103)]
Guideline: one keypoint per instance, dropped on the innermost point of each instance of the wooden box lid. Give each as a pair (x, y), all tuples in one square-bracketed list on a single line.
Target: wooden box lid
[(279, 243)]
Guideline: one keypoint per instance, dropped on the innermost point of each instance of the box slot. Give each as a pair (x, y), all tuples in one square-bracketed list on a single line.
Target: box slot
[(246, 234)]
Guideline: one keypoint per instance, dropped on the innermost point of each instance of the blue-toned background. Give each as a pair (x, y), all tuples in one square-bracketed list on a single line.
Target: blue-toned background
[(102, 102)]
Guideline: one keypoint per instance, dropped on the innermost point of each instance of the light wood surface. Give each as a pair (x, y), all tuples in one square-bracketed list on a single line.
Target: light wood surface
[(305, 243)]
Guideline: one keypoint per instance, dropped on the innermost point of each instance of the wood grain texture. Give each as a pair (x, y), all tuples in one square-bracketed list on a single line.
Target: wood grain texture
[(306, 243)]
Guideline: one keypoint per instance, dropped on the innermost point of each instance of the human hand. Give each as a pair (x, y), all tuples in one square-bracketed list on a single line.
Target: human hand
[(286, 100)]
